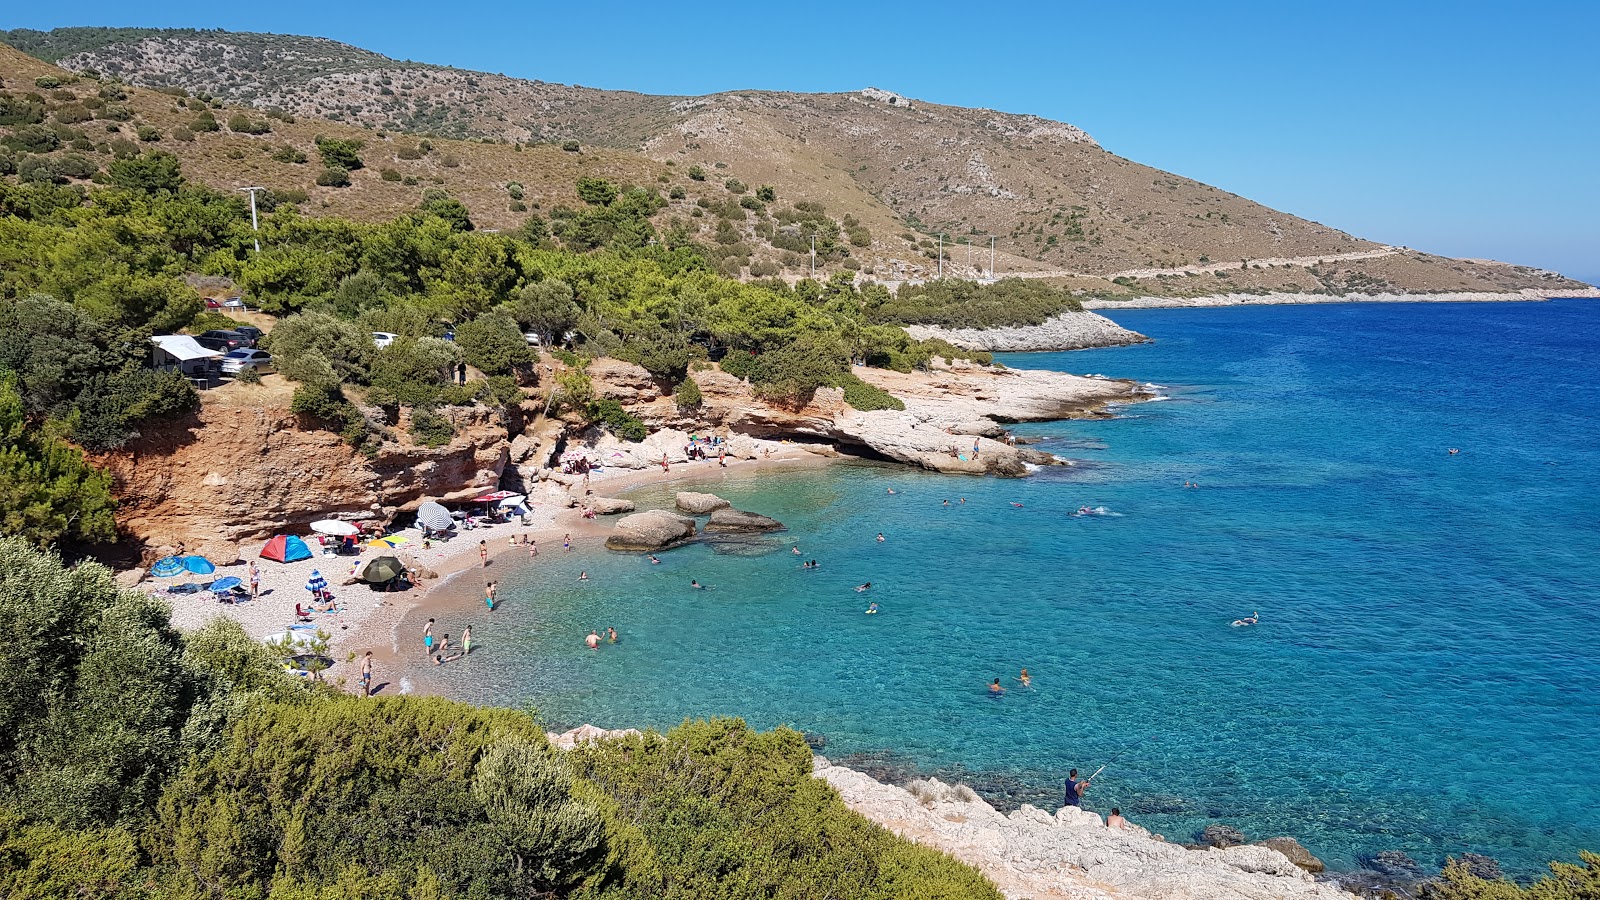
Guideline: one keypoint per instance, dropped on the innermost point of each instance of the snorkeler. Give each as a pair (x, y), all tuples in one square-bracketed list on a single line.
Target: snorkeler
[(862, 588)]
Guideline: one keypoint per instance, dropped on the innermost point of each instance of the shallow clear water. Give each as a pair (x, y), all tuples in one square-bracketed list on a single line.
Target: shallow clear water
[(1423, 677)]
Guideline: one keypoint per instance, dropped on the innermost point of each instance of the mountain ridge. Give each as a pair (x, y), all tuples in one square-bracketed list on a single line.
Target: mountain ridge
[(912, 174)]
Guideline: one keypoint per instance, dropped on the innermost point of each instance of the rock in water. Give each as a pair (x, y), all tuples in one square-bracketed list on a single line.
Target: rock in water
[(738, 521), (1481, 866), (1297, 854), (699, 504), (610, 506), (653, 529), (1222, 836)]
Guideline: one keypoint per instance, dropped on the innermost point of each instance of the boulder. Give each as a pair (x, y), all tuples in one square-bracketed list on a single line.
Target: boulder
[(1297, 854), (587, 734), (699, 504), (1485, 867), (1222, 836), (610, 506), (653, 529), (737, 521)]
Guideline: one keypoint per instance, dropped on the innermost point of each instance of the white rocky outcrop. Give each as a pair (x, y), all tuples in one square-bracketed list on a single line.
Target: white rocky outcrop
[(1072, 854), (1281, 298), (697, 504), (653, 529), (1067, 331), (587, 734)]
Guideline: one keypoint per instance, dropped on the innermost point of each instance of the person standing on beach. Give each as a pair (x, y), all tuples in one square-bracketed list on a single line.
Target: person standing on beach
[(466, 640), (255, 580), (427, 636), (483, 553), (533, 548), (665, 465), (566, 542), (1073, 795), (366, 675), (489, 596)]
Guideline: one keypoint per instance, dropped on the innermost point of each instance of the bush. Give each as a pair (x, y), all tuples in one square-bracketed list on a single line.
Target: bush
[(735, 186), (430, 429), (625, 425), (866, 397), (339, 154), (288, 154), (205, 122), (148, 133), (514, 190), (596, 191), (333, 176), (389, 174), (182, 134), (493, 344), (688, 395), (155, 172), (749, 203), (239, 123), (570, 146), (449, 161), (766, 193), (697, 173)]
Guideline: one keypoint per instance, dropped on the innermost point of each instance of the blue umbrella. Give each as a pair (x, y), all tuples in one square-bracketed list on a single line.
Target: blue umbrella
[(317, 584), (199, 565), (225, 584), (167, 566)]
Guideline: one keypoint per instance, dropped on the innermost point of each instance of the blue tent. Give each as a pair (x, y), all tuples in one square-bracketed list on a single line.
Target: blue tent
[(286, 548)]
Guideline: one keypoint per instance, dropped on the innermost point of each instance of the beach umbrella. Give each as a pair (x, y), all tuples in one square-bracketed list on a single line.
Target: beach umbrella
[(317, 584), (494, 497), (391, 540), (334, 527), (198, 565), (167, 566), (511, 500), (435, 516), (227, 583), (382, 569)]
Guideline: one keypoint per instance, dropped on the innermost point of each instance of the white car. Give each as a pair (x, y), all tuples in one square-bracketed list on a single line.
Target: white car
[(236, 361), (383, 338), (532, 338)]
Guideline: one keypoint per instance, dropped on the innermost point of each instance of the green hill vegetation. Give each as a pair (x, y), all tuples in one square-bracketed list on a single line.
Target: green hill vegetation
[(138, 762)]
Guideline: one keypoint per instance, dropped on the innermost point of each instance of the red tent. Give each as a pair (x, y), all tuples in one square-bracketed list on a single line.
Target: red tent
[(285, 548)]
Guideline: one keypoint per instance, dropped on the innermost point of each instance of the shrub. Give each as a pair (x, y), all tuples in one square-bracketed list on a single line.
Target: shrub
[(339, 153), (182, 134), (596, 191), (676, 192), (766, 193), (735, 186), (431, 429), (493, 344), (570, 146), (688, 395), (288, 154), (389, 174), (240, 123), (610, 414), (866, 397), (514, 190), (148, 133), (697, 173), (409, 152), (333, 176), (749, 203), (449, 161), (151, 173), (72, 114), (32, 139)]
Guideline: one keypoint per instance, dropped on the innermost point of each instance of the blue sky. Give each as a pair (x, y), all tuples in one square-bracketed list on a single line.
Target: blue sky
[(1464, 128)]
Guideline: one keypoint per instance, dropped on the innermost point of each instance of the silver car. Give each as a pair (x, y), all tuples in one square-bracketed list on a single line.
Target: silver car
[(237, 361)]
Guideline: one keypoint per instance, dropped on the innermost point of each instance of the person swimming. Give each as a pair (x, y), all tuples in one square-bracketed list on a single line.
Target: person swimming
[(611, 635), (592, 641), (654, 560), (1016, 504), (862, 588), (795, 549), (890, 490), (1454, 451), (880, 537), (1252, 619), (995, 689), (1084, 511), (583, 576), (872, 609), (696, 585), (1025, 678)]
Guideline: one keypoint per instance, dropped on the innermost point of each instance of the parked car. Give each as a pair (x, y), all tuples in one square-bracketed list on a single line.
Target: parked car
[(253, 333), (239, 360), (383, 338), (232, 340), (213, 303), (234, 303), (533, 339)]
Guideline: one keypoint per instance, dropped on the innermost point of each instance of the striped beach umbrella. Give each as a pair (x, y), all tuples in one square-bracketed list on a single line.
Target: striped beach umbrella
[(317, 584), (166, 567)]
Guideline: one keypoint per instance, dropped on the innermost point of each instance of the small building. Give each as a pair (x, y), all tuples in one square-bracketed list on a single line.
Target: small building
[(183, 353)]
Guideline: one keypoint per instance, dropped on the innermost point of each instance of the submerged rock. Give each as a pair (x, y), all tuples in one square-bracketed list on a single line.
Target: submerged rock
[(1485, 867), (696, 504), (653, 529), (1296, 853), (1221, 836), (737, 521)]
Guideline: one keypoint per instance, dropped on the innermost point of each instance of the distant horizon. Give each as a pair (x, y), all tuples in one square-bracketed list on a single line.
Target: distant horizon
[(1382, 127)]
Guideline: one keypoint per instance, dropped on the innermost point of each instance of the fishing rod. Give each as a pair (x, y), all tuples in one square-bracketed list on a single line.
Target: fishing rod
[(1119, 755)]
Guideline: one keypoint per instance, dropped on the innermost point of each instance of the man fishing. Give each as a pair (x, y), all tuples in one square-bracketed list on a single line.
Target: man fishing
[(1075, 789)]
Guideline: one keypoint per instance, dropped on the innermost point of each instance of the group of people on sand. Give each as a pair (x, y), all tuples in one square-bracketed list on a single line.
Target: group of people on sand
[(592, 641), (441, 648)]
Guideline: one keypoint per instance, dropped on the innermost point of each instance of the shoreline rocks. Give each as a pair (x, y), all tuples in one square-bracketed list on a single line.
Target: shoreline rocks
[(728, 520), (1067, 331), (653, 529), (697, 504), (1281, 298)]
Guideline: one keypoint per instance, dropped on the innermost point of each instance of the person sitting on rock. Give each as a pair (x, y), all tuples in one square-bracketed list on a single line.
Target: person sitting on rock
[(1115, 820)]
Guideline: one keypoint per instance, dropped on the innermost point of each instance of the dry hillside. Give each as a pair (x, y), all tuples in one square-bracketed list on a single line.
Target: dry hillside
[(893, 172)]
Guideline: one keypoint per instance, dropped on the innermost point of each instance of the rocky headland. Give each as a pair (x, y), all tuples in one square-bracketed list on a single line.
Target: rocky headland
[(1067, 331), (1279, 298)]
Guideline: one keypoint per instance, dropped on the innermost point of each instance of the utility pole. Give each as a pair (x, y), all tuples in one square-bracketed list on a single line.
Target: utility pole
[(941, 254), (254, 224), (813, 257), (991, 256)]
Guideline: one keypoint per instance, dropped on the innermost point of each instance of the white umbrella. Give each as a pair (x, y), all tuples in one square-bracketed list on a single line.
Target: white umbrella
[(434, 516), (513, 500), (334, 527)]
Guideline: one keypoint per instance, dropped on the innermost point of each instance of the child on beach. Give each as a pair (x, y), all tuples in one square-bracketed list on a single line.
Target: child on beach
[(427, 636), (366, 675), (566, 542), (255, 580), (489, 595)]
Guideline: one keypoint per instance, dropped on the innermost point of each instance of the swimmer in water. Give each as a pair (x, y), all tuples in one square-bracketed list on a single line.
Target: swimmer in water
[(583, 576), (1025, 678), (1253, 619), (696, 585), (995, 688), (1454, 451), (654, 561), (890, 490), (872, 609), (947, 503), (880, 537), (863, 588), (1016, 504), (592, 641), (795, 549), (611, 635)]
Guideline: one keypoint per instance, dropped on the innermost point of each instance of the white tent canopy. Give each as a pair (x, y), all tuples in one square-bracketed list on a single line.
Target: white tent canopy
[(334, 527), (183, 347)]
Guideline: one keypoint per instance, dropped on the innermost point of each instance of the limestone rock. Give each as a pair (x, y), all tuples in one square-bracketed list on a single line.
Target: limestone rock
[(1067, 331), (736, 521), (1222, 836), (699, 504), (587, 734), (653, 529), (1295, 853), (610, 506)]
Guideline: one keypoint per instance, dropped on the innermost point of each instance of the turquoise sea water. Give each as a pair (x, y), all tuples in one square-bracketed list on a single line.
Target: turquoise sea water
[(1424, 676)]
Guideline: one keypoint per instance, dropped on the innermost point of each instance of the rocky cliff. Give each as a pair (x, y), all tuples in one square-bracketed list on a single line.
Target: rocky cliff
[(244, 468), (1068, 331)]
